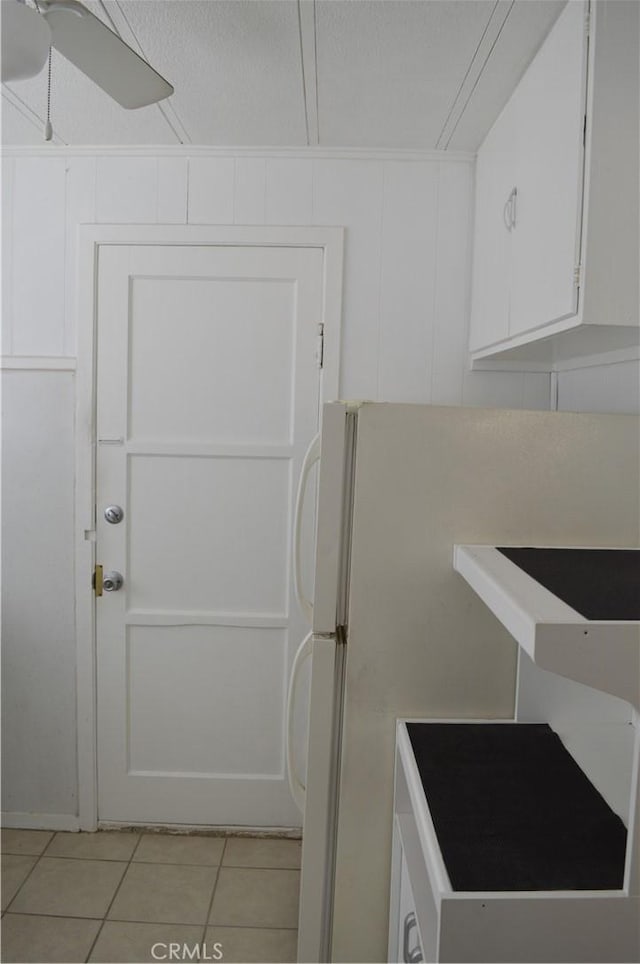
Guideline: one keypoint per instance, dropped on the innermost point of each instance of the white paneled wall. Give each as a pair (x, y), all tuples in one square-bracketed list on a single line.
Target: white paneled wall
[(602, 388), (38, 639), (404, 336), (407, 252), (37, 279)]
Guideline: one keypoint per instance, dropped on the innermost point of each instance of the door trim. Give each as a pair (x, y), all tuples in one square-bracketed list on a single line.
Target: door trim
[(90, 238)]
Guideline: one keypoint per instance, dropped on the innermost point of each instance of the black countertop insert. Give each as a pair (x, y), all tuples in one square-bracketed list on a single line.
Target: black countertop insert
[(513, 811), (597, 583)]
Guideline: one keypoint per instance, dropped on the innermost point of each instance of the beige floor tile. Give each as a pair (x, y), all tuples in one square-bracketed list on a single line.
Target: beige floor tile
[(103, 845), (241, 945), (158, 848), (25, 841), (15, 869), (123, 941), (257, 852), (164, 894), (70, 888), (26, 937), (256, 898)]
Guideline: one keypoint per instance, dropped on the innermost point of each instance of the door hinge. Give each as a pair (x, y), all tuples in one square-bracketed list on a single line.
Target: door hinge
[(97, 580), (587, 22), (577, 271), (320, 346)]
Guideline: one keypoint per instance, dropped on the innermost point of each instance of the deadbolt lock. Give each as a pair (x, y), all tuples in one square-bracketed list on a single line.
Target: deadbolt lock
[(114, 514)]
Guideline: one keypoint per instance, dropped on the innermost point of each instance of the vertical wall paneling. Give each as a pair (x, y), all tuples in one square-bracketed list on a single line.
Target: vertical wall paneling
[(38, 268), (173, 173), (211, 181), (38, 640), (81, 209), (250, 190), (535, 390), (350, 193), (602, 388), (126, 190), (289, 191), (7, 254), (451, 308), (492, 389), (407, 281), (506, 389)]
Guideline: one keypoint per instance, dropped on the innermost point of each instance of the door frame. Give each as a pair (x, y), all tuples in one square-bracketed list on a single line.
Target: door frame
[(90, 238)]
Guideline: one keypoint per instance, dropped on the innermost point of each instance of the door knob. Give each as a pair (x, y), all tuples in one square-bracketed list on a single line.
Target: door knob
[(112, 581)]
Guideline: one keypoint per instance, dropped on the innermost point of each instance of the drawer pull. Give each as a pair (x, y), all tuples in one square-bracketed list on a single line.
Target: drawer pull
[(410, 956)]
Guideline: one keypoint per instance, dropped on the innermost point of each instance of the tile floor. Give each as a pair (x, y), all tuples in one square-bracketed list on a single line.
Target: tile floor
[(111, 896)]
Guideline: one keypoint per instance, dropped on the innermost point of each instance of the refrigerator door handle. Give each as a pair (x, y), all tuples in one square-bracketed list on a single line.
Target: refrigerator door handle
[(311, 457), (296, 785)]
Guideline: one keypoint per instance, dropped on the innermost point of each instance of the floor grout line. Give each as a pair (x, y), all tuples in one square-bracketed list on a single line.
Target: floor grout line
[(115, 894), (159, 923), (38, 859), (213, 894), (154, 863), (30, 913)]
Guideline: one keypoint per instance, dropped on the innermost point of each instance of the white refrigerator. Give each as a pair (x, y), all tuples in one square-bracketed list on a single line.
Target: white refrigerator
[(397, 633)]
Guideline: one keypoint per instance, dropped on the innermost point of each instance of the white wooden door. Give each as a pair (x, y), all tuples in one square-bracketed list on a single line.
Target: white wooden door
[(207, 396), (549, 106)]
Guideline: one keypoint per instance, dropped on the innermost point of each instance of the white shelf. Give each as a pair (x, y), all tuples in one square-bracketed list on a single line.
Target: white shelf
[(599, 653)]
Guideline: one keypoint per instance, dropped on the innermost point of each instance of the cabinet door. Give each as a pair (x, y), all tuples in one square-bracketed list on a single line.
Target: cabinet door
[(492, 239), (549, 107)]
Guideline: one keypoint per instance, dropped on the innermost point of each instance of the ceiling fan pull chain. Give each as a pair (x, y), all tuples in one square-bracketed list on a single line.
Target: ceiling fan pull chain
[(48, 129)]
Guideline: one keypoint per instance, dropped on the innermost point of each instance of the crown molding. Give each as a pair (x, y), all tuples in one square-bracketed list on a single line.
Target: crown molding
[(188, 150)]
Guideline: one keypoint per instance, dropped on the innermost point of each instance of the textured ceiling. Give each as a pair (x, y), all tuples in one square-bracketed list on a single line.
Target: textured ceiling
[(411, 74), (235, 67), (387, 72)]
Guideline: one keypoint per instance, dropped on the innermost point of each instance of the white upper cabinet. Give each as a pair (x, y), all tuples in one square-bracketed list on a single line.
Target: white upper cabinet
[(556, 229)]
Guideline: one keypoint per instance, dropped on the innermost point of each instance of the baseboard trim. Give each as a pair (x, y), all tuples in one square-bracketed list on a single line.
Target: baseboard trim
[(293, 833), (14, 820)]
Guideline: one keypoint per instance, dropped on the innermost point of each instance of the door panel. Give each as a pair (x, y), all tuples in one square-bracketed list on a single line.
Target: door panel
[(173, 742), (233, 516), (195, 330), (208, 393)]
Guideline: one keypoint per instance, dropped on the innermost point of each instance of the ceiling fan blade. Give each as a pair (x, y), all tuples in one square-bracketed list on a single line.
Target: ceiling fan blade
[(26, 38), (100, 54)]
